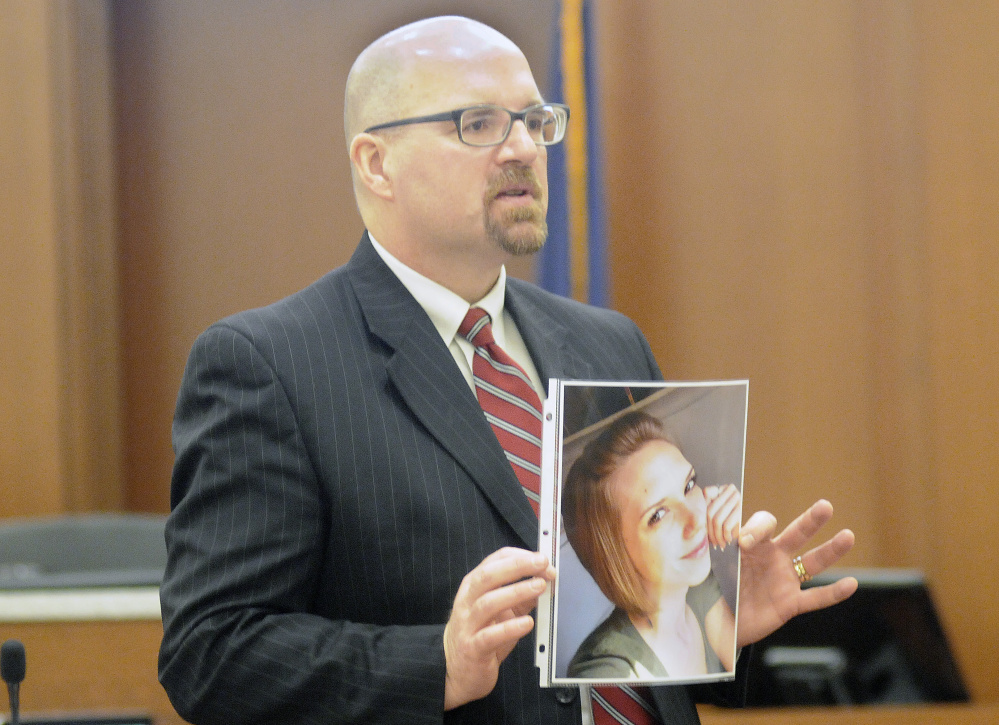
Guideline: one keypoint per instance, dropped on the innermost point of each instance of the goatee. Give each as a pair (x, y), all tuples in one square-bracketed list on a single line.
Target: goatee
[(522, 230)]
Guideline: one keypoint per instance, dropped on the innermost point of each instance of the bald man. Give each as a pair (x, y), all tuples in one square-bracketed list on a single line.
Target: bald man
[(348, 542)]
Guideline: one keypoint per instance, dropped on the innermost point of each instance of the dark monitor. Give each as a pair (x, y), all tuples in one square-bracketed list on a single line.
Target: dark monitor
[(884, 645)]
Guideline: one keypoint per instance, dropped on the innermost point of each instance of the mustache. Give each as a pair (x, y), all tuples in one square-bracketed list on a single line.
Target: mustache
[(511, 177)]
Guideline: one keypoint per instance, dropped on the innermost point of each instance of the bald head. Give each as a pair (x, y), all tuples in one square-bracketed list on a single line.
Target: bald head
[(389, 76), (451, 211)]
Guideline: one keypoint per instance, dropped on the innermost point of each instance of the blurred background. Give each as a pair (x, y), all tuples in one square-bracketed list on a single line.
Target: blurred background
[(801, 193)]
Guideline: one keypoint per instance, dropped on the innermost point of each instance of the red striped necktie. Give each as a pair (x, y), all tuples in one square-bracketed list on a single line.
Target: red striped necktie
[(509, 401), (513, 409), (623, 705)]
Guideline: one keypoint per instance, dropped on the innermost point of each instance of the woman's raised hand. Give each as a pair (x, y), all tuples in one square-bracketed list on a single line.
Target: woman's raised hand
[(724, 512)]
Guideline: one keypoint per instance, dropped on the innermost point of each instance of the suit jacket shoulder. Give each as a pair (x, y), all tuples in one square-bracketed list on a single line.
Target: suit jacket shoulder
[(571, 340)]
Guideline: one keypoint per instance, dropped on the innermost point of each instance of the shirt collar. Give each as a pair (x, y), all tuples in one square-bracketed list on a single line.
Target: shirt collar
[(446, 309)]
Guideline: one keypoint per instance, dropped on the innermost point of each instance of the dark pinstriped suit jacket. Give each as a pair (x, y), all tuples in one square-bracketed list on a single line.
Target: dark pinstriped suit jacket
[(335, 479)]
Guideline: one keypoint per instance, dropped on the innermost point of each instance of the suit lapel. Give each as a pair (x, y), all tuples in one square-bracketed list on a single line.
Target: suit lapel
[(423, 371), (548, 339)]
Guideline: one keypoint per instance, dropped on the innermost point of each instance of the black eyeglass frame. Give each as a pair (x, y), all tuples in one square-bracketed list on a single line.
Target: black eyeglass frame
[(457, 113)]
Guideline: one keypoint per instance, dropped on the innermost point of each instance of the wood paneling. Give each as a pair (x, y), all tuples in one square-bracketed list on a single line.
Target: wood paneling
[(30, 448), (85, 176), (805, 194), (101, 667), (960, 117), (59, 379), (235, 183), (921, 714), (801, 193), (738, 241)]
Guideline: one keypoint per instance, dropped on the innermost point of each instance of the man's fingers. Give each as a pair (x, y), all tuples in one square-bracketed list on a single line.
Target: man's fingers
[(491, 643), (815, 598), (805, 526), (501, 636), (822, 557), (490, 615), (761, 527), (505, 567), (501, 590), (519, 598)]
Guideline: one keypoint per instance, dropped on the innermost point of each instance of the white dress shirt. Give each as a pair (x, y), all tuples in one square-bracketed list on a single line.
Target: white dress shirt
[(446, 311)]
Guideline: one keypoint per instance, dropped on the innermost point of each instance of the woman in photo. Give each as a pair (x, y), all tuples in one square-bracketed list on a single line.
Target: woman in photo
[(643, 528)]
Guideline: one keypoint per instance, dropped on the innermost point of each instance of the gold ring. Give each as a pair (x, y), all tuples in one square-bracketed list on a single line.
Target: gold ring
[(799, 569)]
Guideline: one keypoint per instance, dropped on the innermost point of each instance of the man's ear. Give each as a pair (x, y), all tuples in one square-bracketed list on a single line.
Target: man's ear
[(367, 154)]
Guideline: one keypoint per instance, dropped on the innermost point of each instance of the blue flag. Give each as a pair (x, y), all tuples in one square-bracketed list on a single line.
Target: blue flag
[(573, 262)]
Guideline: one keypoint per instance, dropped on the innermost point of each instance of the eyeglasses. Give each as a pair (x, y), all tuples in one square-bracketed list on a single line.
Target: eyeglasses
[(489, 125)]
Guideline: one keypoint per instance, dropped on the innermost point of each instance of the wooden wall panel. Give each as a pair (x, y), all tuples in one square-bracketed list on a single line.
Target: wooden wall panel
[(100, 667), (738, 242), (805, 194), (960, 114), (235, 184), (801, 193), (86, 208), (30, 453), (59, 392), (898, 307), (970, 714)]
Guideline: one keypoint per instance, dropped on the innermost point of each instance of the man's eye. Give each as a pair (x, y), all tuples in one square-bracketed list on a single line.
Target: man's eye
[(477, 125)]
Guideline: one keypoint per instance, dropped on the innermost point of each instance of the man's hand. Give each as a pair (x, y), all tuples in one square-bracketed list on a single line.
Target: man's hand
[(491, 613), (770, 592)]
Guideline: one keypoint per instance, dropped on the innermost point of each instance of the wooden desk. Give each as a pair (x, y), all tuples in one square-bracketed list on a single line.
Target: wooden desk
[(100, 656), (88, 652), (971, 714)]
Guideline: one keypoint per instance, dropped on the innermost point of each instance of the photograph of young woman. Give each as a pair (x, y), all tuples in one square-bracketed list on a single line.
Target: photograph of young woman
[(643, 528)]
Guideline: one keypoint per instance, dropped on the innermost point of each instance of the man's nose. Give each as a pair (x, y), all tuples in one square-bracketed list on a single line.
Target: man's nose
[(519, 145)]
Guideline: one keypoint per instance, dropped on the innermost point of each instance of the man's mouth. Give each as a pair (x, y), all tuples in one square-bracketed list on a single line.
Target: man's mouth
[(514, 192), (515, 183)]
